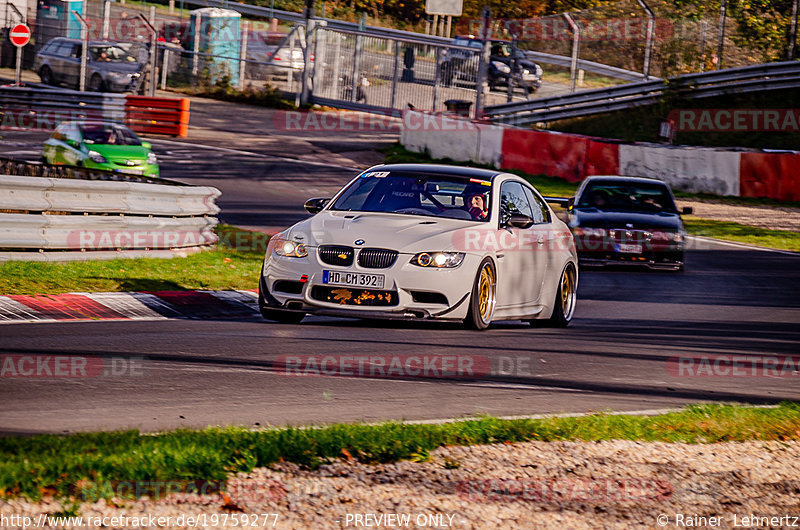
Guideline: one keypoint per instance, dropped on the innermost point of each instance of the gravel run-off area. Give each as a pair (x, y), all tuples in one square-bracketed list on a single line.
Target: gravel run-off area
[(564, 485)]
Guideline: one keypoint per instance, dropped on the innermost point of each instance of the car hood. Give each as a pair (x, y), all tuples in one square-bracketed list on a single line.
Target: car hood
[(120, 152), (594, 218), (405, 233)]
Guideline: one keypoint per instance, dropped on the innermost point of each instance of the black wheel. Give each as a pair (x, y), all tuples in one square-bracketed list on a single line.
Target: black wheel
[(277, 315), (96, 84), (564, 304), (46, 75), (484, 297)]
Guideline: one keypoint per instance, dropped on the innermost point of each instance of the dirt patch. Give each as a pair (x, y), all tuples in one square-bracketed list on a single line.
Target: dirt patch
[(770, 217), (614, 484)]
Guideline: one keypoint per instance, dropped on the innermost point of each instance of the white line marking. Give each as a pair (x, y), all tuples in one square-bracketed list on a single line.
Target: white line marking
[(743, 245)]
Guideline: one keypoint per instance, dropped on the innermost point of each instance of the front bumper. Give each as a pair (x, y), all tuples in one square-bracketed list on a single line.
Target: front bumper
[(663, 259), (146, 170), (296, 284)]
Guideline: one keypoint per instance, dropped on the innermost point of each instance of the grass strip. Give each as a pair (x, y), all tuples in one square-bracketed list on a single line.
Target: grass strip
[(751, 235), (234, 264), (74, 465)]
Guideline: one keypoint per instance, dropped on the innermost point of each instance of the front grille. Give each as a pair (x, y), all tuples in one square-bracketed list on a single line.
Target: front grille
[(426, 297), (288, 286), (359, 297), (627, 235), (336, 255), (376, 258)]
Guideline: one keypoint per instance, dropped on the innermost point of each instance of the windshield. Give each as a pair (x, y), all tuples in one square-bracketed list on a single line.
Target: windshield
[(472, 43), (639, 197), (110, 134), (418, 194), (110, 54)]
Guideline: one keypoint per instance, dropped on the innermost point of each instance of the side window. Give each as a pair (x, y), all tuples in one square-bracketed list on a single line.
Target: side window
[(513, 200), (541, 214), (71, 132)]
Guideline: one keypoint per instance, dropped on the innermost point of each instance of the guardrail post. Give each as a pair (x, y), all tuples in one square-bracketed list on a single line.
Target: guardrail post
[(306, 90), (196, 48), (483, 63), (243, 54), (320, 52), (576, 43), (723, 15), (84, 49), (648, 46), (164, 69), (436, 74), (106, 17), (152, 59), (793, 32), (356, 78), (394, 72)]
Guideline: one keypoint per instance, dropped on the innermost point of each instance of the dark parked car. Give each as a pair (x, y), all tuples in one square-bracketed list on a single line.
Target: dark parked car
[(462, 65), (109, 68), (627, 221)]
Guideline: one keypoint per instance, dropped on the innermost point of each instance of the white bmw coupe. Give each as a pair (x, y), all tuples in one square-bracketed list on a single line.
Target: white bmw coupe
[(419, 241)]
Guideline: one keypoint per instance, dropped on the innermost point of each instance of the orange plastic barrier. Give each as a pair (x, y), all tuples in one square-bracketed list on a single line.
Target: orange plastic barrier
[(158, 115), (773, 175)]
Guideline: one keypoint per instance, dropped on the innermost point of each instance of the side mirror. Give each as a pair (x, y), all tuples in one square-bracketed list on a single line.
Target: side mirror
[(518, 220), (315, 205), (687, 210), (147, 145)]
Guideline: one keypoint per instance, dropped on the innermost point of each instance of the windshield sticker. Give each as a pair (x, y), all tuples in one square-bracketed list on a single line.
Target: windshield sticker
[(481, 182), (377, 174)]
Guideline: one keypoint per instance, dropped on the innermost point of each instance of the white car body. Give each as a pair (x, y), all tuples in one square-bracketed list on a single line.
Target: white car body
[(529, 262)]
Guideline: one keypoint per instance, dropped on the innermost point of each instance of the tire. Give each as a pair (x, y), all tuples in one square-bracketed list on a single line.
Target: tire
[(96, 84), (46, 75), (484, 297), (277, 315), (564, 303)]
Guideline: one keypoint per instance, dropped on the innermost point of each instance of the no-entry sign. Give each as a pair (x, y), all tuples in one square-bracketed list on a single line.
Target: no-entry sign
[(20, 35)]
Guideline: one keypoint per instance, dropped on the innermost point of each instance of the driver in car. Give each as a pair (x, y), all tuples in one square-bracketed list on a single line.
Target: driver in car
[(478, 208)]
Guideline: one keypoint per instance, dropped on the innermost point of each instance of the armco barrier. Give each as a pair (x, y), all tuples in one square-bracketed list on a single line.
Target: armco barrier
[(119, 218), (150, 115), (574, 157), (774, 175), (79, 196)]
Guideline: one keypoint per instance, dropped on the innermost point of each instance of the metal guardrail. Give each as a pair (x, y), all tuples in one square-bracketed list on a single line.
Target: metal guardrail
[(12, 166), (744, 79), (589, 66), (38, 214)]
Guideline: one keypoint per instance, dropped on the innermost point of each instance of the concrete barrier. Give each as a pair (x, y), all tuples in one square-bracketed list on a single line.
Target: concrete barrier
[(696, 170), (574, 157)]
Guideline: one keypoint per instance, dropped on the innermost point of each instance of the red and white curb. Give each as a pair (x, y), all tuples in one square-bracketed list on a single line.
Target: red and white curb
[(157, 305)]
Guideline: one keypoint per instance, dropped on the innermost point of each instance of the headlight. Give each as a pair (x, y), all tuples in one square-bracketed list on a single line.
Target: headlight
[(97, 158), (290, 249), (667, 236), (438, 260), (539, 71), (589, 232), (152, 158), (501, 67)]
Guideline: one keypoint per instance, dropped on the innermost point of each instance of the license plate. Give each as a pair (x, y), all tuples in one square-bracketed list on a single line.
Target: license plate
[(353, 279), (627, 248), (132, 171)]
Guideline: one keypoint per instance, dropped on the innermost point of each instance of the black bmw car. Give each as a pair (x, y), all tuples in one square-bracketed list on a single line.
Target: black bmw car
[(627, 221), (460, 65)]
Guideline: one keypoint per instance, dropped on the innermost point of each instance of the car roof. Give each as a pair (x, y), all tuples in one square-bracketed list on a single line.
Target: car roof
[(441, 169), (91, 42), (625, 178)]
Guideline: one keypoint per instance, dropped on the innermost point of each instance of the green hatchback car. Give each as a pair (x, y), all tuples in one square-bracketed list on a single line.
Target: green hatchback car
[(100, 145)]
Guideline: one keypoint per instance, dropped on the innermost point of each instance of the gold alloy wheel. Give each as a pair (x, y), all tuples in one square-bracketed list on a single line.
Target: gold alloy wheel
[(486, 294), (568, 293)]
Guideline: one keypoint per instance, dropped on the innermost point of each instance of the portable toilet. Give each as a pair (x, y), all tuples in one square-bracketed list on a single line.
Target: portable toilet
[(54, 18), (220, 41)]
